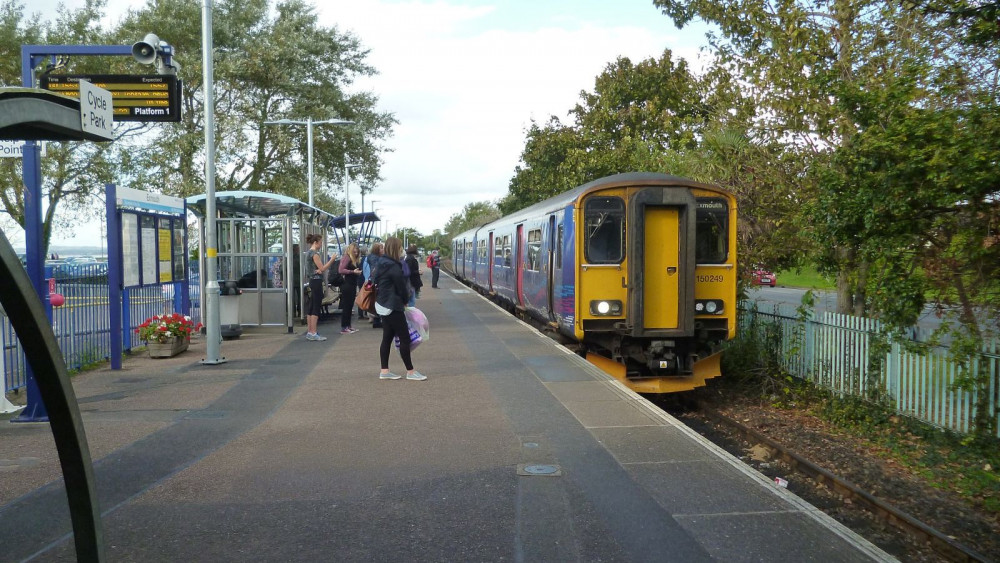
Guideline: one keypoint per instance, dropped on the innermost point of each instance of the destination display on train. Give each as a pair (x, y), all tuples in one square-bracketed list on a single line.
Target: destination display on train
[(133, 97)]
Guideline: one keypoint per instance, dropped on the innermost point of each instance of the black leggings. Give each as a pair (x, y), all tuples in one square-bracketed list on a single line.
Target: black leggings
[(315, 297), (395, 325), (347, 293)]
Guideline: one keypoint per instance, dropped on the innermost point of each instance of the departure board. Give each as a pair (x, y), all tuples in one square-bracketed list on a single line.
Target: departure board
[(134, 97)]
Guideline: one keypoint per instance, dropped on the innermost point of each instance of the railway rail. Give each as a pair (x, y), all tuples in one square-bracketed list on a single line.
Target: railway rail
[(918, 532)]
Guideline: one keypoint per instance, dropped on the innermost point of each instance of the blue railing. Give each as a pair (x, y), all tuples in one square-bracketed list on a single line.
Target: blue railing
[(835, 352), (82, 324)]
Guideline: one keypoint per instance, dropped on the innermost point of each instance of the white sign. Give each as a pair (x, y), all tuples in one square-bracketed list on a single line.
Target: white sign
[(15, 149), (128, 197), (96, 113)]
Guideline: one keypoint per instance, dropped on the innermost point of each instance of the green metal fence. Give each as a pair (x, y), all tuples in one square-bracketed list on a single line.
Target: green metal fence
[(836, 352)]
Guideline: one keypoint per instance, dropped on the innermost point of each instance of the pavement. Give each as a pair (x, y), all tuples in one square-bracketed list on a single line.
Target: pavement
[(513, 449)]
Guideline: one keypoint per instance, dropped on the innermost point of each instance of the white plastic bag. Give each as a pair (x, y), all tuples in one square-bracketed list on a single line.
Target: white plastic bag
[(415, 318)]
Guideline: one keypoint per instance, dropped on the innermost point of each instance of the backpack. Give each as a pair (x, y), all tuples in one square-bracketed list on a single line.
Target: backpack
[(430, 261)]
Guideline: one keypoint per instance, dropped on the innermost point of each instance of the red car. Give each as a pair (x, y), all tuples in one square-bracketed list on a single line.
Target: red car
[(764, 277)]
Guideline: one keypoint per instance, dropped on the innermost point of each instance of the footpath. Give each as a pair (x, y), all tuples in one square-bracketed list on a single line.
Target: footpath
[(513, 449)]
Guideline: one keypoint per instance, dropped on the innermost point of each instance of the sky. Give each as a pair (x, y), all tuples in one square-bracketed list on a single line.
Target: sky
[(465, 78)]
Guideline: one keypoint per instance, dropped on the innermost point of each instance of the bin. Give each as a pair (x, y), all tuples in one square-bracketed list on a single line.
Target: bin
[(229, 309)]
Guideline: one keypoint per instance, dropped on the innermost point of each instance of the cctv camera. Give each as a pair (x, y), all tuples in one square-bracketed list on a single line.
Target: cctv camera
[(145, 51)]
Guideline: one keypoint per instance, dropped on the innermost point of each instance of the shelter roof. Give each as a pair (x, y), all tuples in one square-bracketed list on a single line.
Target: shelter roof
[(33, 114), (244, 203)]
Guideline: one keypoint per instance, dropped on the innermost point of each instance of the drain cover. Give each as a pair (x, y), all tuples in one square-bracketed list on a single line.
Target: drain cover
[(539, 470)]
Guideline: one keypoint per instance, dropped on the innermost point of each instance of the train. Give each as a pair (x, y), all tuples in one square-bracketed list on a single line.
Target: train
[(637, 271)]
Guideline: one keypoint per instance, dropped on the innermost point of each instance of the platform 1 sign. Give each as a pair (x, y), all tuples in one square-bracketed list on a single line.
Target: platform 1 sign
[(135, 97)]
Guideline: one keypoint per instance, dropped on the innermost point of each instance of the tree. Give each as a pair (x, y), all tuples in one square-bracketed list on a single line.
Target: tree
[(268, 67), (72, 172), (635, 113), (472, 215)]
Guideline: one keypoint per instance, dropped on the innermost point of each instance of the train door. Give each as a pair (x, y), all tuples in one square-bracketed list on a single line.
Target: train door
[(550, 271), (661, 271), (519, 263), (490, 260)]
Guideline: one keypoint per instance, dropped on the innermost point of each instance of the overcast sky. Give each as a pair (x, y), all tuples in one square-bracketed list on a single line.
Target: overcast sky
[(465, 78)]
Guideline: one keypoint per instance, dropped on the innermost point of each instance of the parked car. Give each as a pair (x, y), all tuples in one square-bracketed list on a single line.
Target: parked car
[(764, 277)]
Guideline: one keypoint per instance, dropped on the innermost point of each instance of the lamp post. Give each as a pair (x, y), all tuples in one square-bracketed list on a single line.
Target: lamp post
[(374, 201), (309, 141), (347, 201)]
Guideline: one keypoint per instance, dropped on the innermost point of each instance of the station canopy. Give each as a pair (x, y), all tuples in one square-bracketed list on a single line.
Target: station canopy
[(267, 205)]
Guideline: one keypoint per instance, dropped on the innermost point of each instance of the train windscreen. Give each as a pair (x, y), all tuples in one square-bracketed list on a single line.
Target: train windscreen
[(711, 231), (605, 229)]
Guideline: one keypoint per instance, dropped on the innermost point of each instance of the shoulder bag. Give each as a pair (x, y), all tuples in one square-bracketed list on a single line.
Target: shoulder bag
[(366, 295)]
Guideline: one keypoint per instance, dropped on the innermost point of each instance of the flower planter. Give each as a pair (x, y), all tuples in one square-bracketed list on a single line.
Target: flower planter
[(168, 349)]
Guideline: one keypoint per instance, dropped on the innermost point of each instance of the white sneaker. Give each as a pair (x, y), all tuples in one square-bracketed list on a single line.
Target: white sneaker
[(315, 337), (389, 375), (416, 376)]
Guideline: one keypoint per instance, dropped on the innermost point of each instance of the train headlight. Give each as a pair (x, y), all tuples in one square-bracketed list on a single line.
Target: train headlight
[(605, 308), (710, 306)]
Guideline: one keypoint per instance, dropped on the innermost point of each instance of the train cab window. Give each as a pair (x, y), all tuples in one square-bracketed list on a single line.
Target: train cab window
[(604, 219), (712, 231), (534, 249)]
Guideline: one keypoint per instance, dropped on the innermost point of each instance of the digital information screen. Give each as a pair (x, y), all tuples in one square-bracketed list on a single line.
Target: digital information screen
[(134, 97)]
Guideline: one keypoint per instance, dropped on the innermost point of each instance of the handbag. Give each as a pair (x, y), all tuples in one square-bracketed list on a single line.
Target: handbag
[(366, 297)]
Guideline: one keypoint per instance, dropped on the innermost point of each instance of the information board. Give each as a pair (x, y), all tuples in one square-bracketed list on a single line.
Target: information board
[(166, 257), (134, 97)]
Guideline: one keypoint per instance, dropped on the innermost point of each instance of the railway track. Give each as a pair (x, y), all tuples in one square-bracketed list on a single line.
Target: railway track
[(919, 533), (931, 544)]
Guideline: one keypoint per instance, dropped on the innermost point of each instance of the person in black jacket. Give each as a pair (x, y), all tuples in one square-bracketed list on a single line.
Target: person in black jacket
[(415, 282), (389, 304)]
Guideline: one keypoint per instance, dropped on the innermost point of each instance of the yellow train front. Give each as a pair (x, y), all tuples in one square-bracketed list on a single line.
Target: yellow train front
[(639, 268)]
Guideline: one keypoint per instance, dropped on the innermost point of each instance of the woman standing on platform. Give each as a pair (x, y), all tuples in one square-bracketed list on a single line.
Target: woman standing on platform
[(350, 267), (415, 282), (389, 304), (314, 257)]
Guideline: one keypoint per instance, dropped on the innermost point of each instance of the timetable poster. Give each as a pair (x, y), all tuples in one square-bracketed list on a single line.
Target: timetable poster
[(164, 248), (130, 249), (148, 251)]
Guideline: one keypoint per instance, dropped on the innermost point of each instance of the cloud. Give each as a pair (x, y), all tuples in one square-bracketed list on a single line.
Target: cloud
[(466, 78), (464, 90)]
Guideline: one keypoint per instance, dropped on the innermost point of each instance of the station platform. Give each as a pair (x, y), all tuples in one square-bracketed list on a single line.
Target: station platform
[(513, 449)]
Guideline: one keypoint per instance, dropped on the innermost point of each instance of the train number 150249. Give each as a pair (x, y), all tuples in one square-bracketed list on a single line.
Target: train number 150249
[(709, 278)]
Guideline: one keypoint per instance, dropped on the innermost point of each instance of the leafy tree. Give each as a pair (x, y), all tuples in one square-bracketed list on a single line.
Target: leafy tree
[(72, 172), (472, 215), (269, 65), (635, 112), (272, 62)]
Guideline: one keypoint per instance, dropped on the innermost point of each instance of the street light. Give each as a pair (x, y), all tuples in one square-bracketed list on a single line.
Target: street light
[(347, 202), (374, 201), (309, 143)]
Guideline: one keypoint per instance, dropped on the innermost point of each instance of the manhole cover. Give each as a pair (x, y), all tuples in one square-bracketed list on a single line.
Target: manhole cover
[(538, 470)]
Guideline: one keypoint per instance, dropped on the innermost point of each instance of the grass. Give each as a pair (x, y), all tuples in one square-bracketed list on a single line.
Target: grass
[(806, 278)]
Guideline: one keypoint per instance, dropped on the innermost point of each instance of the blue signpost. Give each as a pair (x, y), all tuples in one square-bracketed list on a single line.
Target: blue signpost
[(31, 57)]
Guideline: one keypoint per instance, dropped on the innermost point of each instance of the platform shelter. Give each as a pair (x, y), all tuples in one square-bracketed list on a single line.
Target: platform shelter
[(262, 245)]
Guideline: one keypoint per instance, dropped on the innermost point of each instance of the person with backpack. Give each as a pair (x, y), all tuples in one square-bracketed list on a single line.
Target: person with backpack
[(434, 261)]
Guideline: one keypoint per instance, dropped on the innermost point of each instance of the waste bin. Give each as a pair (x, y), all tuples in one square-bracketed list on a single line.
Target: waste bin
[(229, 309)]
